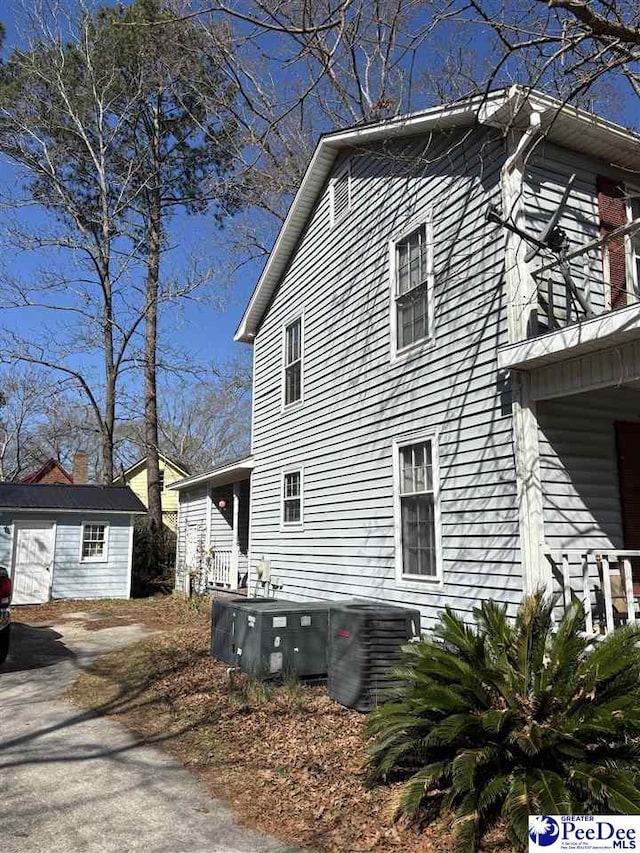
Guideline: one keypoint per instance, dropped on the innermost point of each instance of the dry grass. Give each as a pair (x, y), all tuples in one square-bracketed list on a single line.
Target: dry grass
[(288, 759)]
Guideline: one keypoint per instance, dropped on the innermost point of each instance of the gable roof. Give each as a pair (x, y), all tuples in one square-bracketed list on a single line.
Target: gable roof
[(32, 496), (503, 109), (230, 472), (180, 469), (44, 469)]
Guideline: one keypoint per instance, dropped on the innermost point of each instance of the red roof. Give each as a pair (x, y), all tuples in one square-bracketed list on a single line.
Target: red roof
[(51, 467)]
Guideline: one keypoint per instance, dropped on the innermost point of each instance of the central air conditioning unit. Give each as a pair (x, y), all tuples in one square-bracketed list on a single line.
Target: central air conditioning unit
[(270, 637), (364, 644), (224, 614), (282, 639)]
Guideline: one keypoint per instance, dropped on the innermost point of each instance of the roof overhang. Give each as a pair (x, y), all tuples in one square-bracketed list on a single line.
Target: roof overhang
[(504, 109), (225, 474)]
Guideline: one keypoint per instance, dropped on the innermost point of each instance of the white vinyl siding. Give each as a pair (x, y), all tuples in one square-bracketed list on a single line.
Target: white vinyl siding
[(417, 509), (340, 193), (357, 401), (292, 363), (292, 498), (412, 288)]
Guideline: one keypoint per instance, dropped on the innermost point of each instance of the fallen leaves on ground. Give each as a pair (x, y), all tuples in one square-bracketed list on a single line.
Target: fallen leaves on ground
[(288, 759)]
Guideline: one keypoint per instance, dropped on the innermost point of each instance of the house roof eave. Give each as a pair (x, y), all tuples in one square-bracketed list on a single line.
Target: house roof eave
[(503, 109)]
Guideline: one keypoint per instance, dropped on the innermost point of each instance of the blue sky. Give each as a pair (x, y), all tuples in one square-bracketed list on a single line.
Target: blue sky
[(203, 330)]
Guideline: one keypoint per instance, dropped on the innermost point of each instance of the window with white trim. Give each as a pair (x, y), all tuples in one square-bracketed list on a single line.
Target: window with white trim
[(340, 195), (633, 208), (292, 392), (412, 288), (94, 542), (417, 509), (292, 498)]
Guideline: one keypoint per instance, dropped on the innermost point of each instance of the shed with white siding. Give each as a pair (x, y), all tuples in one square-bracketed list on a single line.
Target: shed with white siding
[(62, 541)]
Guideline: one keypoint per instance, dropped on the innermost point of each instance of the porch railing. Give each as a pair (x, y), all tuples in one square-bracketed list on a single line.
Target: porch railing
[(604, 585), (219, 568)]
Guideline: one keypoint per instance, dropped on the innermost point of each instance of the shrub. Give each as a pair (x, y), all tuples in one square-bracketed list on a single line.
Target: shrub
[(512, 718)]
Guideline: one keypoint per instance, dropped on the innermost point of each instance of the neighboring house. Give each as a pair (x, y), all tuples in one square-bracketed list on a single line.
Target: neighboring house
[(213, 526), (67, 541), (170, 471), (52, 472), (437, 417)]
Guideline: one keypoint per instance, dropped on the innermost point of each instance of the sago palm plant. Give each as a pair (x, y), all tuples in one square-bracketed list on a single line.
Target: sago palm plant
[(512, 718)]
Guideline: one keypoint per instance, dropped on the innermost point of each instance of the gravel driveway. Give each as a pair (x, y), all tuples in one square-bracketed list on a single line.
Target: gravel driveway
[(70, 781)]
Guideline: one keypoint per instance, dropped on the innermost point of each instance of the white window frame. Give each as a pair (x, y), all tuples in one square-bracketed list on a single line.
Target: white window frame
[(104, 557), (291, 525), (403, 579), (333, 220), (397, 353), (633, 292), (296, 403)]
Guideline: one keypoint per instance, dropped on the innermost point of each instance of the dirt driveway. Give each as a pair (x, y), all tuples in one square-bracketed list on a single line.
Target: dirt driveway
[(71, 782)]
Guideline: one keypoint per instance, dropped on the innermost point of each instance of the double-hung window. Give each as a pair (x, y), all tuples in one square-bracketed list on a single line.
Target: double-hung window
[(292, 391), (94, 542), (633, 255), (417, 509), (412, 288), (292, 498)]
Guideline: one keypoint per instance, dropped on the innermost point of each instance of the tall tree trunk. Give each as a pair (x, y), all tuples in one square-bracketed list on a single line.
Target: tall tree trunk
[(154, 516)]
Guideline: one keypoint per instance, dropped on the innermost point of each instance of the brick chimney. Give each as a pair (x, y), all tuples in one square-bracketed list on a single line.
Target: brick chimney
[(80, 468)]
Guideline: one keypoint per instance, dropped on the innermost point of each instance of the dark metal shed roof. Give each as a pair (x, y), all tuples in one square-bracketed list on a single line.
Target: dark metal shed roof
[(25, 496)]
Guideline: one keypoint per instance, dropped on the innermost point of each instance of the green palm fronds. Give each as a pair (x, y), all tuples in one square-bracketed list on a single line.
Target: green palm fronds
[(511, 718)]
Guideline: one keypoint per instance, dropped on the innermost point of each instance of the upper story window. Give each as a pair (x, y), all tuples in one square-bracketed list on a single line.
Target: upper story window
[(633, 208), (161, 479), (417, 510), (412, 288), (340, 194), (292, 498), (292, 390)]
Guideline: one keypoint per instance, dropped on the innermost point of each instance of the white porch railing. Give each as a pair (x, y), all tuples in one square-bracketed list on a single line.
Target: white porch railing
[(219, 568), (604, 585)]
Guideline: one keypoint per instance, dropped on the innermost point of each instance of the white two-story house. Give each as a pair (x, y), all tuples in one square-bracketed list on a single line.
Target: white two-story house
[(444, 411)]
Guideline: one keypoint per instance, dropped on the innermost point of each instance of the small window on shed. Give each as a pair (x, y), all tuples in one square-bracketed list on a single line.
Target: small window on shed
[(94, 542), (340, 194)]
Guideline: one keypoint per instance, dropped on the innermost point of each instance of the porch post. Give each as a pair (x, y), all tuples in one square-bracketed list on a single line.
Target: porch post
[(521, 303), (235, 545), (536, 570)]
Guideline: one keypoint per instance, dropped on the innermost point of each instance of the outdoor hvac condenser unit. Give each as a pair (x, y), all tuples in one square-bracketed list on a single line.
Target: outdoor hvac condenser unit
[(282, 639), (224, 614), (364, 643)]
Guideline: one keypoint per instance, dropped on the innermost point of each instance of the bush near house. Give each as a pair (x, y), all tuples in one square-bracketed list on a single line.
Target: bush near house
[(513, 717), (148, 578)]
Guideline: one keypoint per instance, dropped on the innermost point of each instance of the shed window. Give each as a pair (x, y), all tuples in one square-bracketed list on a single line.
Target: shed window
[(412, 288), (417, 510), (293, 362), (94, 541), (292, 498)]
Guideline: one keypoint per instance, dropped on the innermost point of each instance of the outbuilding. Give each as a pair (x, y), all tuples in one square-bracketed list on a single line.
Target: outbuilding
[(67, 541)]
